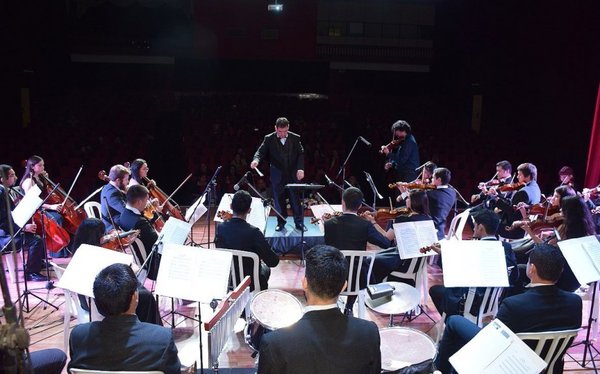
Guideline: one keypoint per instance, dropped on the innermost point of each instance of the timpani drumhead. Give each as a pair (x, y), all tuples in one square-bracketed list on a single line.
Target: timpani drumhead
[(275, 309), (403, 346)]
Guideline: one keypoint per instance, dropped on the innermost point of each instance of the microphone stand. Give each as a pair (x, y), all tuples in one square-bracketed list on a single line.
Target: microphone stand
[(209, 191), (342, 170), (266, 202), (460, 197), (376, 193), (363, 202)]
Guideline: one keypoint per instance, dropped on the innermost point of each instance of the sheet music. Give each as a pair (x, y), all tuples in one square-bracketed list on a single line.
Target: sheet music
[(484, 260), (175, 231), (496, 350), (27, 207), (412, 236), (193, 273), (86, 263), (258, 212), (583, 256), (194, 214), (319, 209)]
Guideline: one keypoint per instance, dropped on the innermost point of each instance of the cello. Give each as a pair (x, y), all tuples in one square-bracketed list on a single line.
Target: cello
[(72, 215)]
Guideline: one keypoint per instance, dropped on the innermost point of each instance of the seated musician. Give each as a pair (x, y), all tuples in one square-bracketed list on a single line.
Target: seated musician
[(238, 234), (388, 260), (324, 340), (112, 197), (450, 300), (121, 341), (425, 178), (91, 231), (441, 199), (28, 240), (133, 218), (34, 169), (488, 193), (543, 307), (139, 171), (528, 194), (567, 176)]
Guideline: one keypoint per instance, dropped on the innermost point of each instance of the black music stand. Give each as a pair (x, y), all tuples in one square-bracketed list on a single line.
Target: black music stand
[(588, 344), (302, 187)]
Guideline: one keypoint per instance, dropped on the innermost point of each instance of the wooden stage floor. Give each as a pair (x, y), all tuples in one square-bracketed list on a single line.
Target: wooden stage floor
[(45, 325)]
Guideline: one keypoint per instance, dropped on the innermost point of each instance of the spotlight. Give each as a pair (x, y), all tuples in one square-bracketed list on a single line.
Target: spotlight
[(275, 7)]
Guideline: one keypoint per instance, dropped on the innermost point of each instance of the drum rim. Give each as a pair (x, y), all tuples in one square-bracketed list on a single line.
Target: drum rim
[(430, 339), (274, 290)]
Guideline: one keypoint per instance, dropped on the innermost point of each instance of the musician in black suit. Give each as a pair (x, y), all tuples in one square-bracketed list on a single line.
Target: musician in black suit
[(239, 234), (121, 341), (527, 195), (351, 232), (27, 240), (544, 307), (112, 196), (133, 219), (323, 340), (286, 155)]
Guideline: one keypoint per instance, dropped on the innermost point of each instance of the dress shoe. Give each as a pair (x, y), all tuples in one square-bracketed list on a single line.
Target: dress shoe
[(279, 227), (36, 277), (301, 227)]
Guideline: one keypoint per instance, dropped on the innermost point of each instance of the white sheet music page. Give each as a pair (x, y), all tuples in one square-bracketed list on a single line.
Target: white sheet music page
[(27, 207), (474, 263), (496, 350), (86, 263), (583, 256), (175, 231), (196, 210), (319, 209), (412, 236), (258, 212), (193, 273)]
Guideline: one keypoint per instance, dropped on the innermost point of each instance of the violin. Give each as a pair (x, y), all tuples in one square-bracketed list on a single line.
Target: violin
[(545, 209), (387, 214), (413, 186), (73, 216), (391, 145), (225, 215), (325, 217), (511, 187), (117, 239), (163, 199), (539, 224)]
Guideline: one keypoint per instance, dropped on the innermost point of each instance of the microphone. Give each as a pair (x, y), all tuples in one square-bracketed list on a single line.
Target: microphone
[(241, 181), (364, 141)]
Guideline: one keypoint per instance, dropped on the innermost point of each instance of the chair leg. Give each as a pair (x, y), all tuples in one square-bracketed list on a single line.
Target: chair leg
[(10, 264), (361, 304)]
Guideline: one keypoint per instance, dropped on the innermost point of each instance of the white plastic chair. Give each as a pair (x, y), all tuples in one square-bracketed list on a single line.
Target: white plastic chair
[(487, 308), (89, 371), (417, 273), (92, 209), (457, 225), (552, 344), (138, 251), (10, 264), (355, 263), (237, 277)]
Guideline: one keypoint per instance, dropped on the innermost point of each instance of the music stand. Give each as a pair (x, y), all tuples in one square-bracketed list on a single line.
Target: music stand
[(303, 187), (209, 191)]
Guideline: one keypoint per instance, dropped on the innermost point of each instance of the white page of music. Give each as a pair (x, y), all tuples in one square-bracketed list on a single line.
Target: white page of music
[(196, 210), (258, 212), (86, 263), (496, 350), (412, 236), (27, 207), (474, 263), (319, 209), (583, 256), (175, 231), (193, 273)]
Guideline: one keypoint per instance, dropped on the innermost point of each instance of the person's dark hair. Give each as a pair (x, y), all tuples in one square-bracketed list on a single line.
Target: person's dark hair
[(430, 167), (401, 125), (442, 173), (548, 261), (241, 202), (505, 165), (566, 170), (419, 202), (4, 169), (353, 198), (578, 218), (113, 288), (118, 172), (529, 170), (488, 219), (135, 193), (90, 232), (31, 162), (135, 167), (564, 191), (282, 122), (326, 271)]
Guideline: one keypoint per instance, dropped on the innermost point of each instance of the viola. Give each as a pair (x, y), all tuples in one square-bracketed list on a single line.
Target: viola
[(118, 239), (72, 216), (413, 186), (163, 199), (511, 187), (391, 145), (56, 237)]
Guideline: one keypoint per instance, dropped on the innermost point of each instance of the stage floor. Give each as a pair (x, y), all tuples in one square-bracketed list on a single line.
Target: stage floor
[(288, 240)]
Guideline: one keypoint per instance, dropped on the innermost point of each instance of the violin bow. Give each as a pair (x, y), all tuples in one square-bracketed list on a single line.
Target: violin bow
[(72, 185), (89, 197), (177, 189), (326, 202)]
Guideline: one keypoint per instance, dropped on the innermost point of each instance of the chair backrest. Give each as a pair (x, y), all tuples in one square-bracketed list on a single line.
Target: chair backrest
[(416, 272), (457, 225), (355, 263), (89, 371), (222, 324), (237, 268), (488, 306), (549, 345), (92, 209)]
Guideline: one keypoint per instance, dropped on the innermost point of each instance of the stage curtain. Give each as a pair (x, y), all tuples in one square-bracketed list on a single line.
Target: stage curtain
[(592, 171)]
